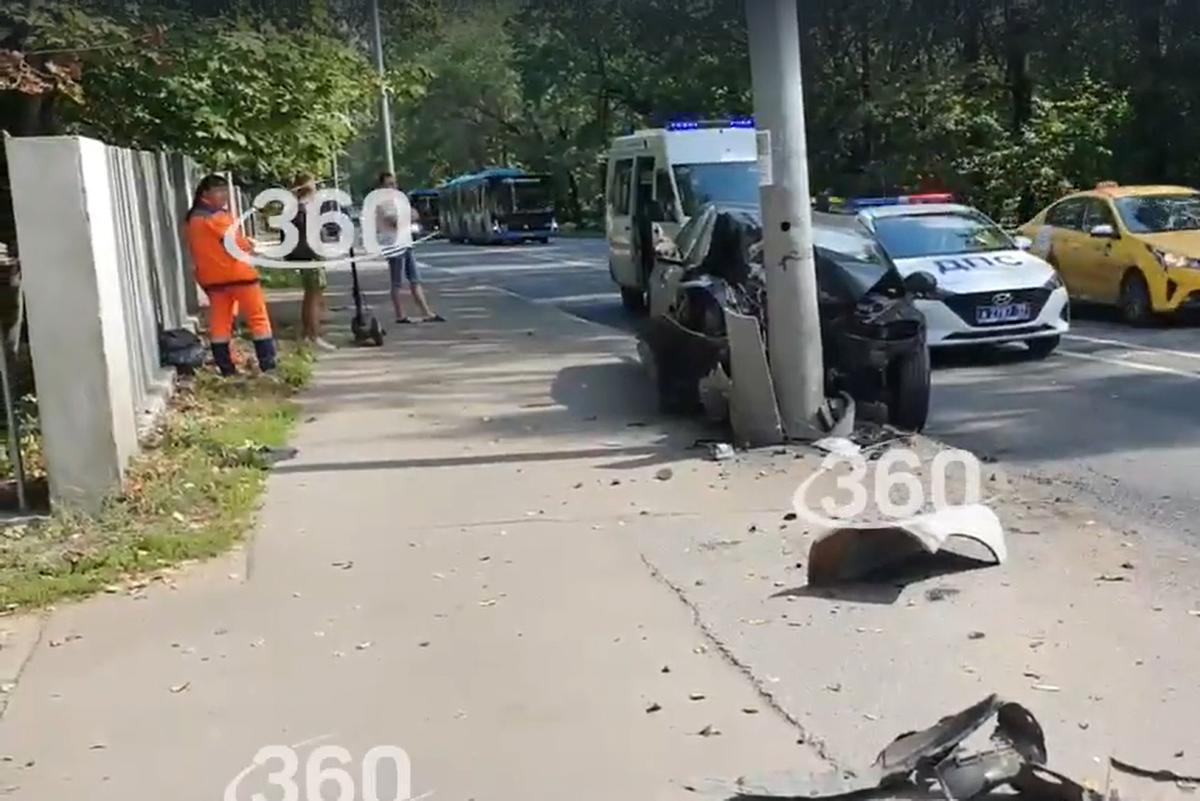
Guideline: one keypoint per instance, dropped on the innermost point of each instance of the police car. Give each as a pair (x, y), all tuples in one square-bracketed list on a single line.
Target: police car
[(986, 287)]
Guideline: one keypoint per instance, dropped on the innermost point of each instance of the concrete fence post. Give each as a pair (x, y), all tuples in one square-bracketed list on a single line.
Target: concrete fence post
[(67, 230)]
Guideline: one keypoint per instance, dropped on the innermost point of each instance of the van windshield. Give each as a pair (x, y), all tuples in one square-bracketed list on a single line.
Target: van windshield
[(727, 185)]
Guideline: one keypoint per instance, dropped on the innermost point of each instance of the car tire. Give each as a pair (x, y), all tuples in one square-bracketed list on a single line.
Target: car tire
[(1136, 308), (909, 409), (1041, 347), (633, 299)]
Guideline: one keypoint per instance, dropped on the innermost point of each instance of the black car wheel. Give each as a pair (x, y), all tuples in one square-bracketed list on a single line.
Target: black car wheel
[(1135, 299), (633, 299), (1041, 347), (909, 409)]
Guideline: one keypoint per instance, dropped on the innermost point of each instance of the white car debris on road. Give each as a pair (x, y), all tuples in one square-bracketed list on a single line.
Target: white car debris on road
[(989, 288)]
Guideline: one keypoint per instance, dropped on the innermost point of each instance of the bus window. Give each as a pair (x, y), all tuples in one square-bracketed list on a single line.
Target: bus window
[(619, 197)]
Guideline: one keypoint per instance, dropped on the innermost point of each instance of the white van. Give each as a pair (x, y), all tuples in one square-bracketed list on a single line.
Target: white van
[(659, 178)]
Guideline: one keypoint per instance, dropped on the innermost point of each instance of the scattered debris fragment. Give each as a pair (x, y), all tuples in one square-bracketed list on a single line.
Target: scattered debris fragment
[(181, 688), (1047, 688), (709, 731), (362, 646), (941, 593), (720, 451), (347, 565), (650, 710), (1111, 578), (839, 446), (1160, 775), (665, 474), (749, 710), (858, 552), (789, 517), (915, 762), (976, 635), (696, 696)]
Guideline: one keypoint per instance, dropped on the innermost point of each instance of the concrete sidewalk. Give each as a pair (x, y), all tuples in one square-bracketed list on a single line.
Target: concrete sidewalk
[(445, 568)]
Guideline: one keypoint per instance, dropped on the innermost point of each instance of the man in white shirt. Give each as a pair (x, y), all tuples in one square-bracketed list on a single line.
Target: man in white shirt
[(401, 265)]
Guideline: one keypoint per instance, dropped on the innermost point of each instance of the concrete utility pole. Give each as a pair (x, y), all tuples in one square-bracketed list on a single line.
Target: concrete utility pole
[(385, 107), (794, 328)]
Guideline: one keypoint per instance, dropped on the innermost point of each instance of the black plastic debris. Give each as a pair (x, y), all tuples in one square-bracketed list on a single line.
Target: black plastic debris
[(933, 763)]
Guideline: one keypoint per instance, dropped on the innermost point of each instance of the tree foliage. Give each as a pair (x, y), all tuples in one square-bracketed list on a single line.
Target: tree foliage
[(264, 95), (1005, 102)]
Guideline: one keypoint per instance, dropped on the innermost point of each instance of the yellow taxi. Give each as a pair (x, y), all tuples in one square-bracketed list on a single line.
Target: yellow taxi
[(1136, 247)]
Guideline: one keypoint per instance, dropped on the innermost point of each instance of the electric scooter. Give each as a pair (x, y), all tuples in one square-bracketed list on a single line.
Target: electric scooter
[(365, 326)]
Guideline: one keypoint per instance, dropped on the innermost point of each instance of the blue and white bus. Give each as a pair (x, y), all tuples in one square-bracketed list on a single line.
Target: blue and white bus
[(497, 205)]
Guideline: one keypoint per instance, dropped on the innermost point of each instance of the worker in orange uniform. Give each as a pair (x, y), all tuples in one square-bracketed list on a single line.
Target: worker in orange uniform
[(229, 280)]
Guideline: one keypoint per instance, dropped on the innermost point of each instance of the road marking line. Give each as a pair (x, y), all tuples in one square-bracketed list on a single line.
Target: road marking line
[(1150, 368), (1187, 354), (578, 298)]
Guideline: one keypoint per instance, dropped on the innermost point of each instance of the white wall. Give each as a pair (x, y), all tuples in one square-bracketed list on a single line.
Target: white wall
[(102, 269)]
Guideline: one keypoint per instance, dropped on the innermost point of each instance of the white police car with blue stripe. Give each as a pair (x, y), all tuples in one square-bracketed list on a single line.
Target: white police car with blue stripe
[(989, 288)]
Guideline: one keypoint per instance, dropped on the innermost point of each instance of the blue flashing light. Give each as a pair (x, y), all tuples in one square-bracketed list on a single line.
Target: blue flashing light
[(689, 124)]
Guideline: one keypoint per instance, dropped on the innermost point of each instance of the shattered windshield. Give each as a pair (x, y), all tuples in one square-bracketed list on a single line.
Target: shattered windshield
[(1156, 214)]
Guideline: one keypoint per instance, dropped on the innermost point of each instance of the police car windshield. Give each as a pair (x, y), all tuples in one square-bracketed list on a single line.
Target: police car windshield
[(731, 184), (947, 234), (1155, 214)]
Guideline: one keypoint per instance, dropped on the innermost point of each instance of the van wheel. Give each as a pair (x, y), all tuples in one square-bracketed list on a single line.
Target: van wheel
[(1041, 347), (1135, 299), (909, 409), (633, 299)]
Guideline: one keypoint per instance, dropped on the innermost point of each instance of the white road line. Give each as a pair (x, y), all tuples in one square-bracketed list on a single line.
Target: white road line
[(515, 269), (1186, 354), (579, 298), (1150, 368)]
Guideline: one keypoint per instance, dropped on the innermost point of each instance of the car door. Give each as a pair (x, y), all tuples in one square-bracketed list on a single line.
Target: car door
[(1099, 257), (620, 223), (1067, 239)]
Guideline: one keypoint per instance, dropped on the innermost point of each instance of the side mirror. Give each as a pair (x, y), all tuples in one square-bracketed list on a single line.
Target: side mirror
[(1104, 231), (1022, 242), (921, 284)]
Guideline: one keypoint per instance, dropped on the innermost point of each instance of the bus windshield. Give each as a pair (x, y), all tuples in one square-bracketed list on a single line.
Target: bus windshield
[(732, 184), (531, 194)]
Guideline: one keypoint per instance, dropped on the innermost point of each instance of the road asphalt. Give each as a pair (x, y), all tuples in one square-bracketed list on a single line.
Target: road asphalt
[(1113, 413)]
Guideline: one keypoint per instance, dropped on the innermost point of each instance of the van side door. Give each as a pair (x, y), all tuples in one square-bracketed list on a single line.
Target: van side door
[(619, 221)]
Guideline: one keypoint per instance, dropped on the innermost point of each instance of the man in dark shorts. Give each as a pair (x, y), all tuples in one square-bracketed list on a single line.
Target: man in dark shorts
[(401, 266)]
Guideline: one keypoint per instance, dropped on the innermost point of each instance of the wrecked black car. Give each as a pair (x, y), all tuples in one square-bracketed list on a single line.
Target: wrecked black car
[(873, 337)]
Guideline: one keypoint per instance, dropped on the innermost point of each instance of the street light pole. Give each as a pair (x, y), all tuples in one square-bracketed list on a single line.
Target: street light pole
[(385, 108), (794, 327)]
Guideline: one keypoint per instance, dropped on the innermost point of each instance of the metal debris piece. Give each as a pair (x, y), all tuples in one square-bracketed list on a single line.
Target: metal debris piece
[(852, 553), (839, 446), (753, 410)]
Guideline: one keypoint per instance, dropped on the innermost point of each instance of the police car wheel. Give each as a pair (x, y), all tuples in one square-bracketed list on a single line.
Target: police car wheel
[(909, 409), (1135, 299), (1041, 347)]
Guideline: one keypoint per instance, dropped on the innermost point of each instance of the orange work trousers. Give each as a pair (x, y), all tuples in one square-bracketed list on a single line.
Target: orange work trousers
[(224, 304)]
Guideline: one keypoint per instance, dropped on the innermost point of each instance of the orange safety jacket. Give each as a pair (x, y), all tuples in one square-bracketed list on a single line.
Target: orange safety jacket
[(215, 266)]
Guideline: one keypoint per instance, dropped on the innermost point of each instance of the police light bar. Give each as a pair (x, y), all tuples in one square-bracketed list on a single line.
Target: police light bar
[(695, 125), (901, 200)]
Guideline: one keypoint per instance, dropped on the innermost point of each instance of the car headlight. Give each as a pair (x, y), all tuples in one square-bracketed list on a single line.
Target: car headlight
[(1175, 260), (1054, 283), (415, 228)]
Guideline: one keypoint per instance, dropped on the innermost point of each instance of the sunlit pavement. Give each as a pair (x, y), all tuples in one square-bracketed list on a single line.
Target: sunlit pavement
[(1113, 412)]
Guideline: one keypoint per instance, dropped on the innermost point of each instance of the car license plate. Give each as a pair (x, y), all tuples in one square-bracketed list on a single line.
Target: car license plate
[(1007, 313)]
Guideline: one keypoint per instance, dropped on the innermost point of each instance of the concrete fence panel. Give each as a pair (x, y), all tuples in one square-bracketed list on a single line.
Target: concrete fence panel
[(104, 272)]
